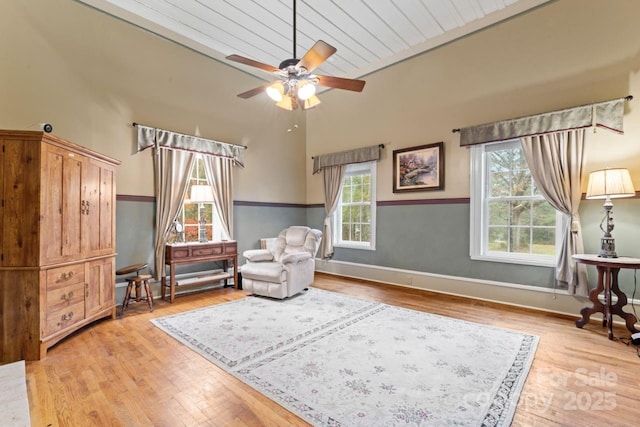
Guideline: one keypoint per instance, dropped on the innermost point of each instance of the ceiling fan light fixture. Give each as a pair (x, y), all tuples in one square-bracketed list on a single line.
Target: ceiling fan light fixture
[(276, 91), (287, 103), (311, 102), (306, 90)]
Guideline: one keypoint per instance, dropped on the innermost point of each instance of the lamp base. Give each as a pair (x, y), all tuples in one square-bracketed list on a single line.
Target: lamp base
[(608, 248), (202, 236)]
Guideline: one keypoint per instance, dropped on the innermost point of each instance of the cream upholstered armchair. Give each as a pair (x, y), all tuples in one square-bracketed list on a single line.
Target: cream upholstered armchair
[(284, 269)]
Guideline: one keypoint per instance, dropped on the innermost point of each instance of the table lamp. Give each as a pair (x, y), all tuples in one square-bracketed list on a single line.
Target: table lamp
[(609, 184), (201, 194)]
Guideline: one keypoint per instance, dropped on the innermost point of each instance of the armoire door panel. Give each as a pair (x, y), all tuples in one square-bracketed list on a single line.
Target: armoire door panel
[(107, 209), (51, 226), (71, 206), (20, 195), (90, 210)]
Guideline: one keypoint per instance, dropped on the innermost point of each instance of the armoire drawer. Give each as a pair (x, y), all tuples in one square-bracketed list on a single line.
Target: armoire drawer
[(62, 297), (64, 276), (61, 317)]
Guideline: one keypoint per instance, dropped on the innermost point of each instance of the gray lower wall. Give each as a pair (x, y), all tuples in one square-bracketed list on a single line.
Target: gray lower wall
[(135, 229), (431, 238)]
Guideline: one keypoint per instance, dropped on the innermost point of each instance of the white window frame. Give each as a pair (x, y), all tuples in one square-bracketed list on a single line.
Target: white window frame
[(216, 223), (479, 216), (336, 220)]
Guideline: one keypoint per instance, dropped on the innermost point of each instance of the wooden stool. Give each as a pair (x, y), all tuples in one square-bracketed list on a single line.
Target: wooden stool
[(136, 281)]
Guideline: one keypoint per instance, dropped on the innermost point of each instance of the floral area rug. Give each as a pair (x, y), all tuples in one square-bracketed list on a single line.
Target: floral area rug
[(336, 360)]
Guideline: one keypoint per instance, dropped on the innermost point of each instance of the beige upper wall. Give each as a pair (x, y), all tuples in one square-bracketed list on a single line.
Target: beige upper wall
[(92, 75), (567, 53)]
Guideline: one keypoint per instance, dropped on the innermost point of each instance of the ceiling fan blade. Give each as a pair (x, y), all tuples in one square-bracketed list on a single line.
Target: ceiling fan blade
[(341, 83), (253, 92), (318, 53), (252, 63)]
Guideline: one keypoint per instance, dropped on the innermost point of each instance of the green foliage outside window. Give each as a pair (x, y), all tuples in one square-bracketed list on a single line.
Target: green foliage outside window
[(356, 208), (519, 219)]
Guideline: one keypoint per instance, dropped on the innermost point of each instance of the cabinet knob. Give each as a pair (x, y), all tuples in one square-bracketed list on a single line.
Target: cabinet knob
[(66, 276), (84, 207), (66, 297), (66, 317)]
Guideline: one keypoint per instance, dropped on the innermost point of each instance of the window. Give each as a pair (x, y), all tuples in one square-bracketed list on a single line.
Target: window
[(510, 219), (355, 217), (193, 215)]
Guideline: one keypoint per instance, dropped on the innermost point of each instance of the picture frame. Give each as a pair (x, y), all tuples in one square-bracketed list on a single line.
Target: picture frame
[(419, 168)]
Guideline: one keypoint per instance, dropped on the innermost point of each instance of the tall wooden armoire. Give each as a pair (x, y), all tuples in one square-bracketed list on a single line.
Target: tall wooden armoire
[(57, 241)]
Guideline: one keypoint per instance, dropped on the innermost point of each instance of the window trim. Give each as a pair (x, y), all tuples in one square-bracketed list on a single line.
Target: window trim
[(478, 213), (356, 169), (216, 224)]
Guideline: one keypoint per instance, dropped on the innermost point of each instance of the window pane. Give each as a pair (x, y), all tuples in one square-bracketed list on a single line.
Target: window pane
[(498, 212), (346, 232), (498, 239), (521, 183), (500, 184), (520, 239), (190, 213), (346, 194), (520, 212), (366, 233), (366, 214), (543, 213), (544, 241), (499, 161), (191, 233)]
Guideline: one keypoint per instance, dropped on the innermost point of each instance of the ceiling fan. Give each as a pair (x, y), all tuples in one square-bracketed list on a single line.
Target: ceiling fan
[(296, 85)]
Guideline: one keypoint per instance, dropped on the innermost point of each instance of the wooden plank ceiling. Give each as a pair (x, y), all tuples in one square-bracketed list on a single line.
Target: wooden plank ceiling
[(369, 34)]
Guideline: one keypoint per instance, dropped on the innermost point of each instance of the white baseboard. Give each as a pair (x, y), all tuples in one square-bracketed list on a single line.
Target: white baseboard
[(543, 299)]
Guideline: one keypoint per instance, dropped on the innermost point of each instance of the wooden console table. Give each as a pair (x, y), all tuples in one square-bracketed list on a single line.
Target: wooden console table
[(608, 269), (192, 253)]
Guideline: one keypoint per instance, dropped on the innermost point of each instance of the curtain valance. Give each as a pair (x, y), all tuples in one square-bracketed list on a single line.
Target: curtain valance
[(606, 115), (161, 138), (359, 155)]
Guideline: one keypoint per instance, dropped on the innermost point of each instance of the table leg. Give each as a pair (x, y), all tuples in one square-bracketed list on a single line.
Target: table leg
[(597, 307), (630, 319), (225, 268), (607, 320), (163, 285), (172, 282), (235, 272)]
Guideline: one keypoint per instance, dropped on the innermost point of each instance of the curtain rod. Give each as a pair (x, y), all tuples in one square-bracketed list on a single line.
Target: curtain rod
[(379, 146), (134, 124), (626, 98)]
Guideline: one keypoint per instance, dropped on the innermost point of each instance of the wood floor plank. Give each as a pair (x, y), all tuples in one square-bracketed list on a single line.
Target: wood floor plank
[(127, 372)]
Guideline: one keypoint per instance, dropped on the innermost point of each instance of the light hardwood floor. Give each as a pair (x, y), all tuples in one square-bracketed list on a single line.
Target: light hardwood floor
[(127, 372)]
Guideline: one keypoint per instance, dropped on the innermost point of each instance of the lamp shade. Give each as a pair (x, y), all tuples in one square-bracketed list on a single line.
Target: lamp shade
[(201, 194), (275, 91), (311, 102), (306, 90), (611, 183), (286, 103)]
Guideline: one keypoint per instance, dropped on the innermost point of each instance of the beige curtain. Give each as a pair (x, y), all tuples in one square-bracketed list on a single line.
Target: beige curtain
[(556, 161), (220, 176), (171, 169), (332, 182)]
